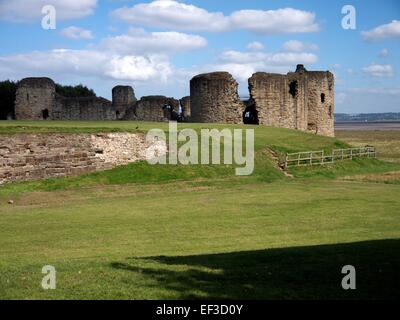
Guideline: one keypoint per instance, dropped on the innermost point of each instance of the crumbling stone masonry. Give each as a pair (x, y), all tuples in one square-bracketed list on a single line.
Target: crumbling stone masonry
[(123, 98), (153, 108), (185, 104), (214, 98), (300, 100), (35, 99), (39, 156), (82, 108)]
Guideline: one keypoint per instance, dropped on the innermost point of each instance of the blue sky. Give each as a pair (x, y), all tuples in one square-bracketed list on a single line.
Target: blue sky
[(157, 46)]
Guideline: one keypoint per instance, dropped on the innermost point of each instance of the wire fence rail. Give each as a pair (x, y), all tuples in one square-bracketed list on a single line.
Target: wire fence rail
[(309, 158)]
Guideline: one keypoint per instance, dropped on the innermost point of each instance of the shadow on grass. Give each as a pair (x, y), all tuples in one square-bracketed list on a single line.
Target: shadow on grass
[(312, 272)]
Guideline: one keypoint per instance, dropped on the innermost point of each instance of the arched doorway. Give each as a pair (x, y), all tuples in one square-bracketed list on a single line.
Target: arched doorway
[(45, 114), (250, 115)]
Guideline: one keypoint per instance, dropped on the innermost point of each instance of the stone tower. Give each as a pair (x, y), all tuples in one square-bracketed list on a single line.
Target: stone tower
[(214, 98), (302, 100), (280, 100), (35, 99), (320, 97), (123, 97)]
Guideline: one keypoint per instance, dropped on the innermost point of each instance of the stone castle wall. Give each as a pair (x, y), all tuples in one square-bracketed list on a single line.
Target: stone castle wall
[(153, 108), (320, 103), (123, 98), (185, 103), (214, 98), (38, 156), (302, 100), (279, 99), (35, 99), (83, 108)]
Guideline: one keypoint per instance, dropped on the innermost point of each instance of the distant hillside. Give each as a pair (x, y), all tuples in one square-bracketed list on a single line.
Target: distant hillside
[(367, 117)]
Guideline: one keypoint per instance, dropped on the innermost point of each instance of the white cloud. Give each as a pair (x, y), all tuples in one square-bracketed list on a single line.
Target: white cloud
[(298, 46), (139, 68), (255, 46), (140, 41), (281, 21), (280, 58), (379, 70), (135, 56), (76, 33), (340, 97), (174, 15), (180, 16), (367, 99), (22, 10), (385, 31), (86, 63), (383, 53), (243, 64)]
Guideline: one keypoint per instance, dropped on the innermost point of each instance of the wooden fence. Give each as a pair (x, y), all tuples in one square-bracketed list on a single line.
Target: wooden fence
[(309, 158)]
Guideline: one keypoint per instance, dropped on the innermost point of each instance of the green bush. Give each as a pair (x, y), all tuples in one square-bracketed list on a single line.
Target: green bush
[(7, 99), (74, 91)]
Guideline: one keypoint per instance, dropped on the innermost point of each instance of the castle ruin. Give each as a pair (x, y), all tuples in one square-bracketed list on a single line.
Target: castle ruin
[(36, 99), (302, 100), (153, 108)]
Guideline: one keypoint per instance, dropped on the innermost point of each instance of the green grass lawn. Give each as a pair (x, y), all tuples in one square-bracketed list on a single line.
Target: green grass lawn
[(172, 232)]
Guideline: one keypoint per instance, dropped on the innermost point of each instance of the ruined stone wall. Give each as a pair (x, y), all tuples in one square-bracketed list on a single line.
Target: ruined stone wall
[(39, 156), (279, 99), (35, 99), (152, 108), (123, 98), (214, 98), (302, 100), (83, 108), (185, 104), (320, 103)]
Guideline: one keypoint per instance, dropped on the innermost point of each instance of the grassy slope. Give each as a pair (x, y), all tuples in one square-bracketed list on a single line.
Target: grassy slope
[(276, 139), (263, 236)]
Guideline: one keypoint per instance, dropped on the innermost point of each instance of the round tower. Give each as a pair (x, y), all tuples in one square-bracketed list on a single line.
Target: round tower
[(35, 99), (214, 98)]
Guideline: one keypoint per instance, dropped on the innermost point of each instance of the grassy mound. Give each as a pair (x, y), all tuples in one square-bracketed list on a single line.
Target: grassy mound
[(268, 141)]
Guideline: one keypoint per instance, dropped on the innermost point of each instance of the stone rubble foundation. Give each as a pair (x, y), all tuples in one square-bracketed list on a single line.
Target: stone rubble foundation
[(39, 156)]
